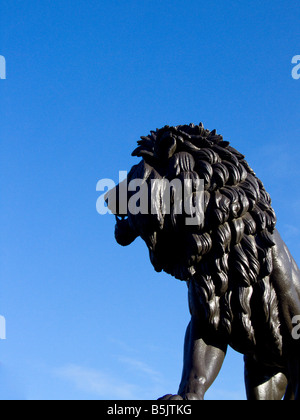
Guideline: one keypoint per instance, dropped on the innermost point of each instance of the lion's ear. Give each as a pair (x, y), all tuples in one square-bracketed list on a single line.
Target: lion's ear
[(165, 146)]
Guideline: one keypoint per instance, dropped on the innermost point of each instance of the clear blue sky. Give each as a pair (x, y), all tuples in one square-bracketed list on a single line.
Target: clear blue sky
[(86, 318)]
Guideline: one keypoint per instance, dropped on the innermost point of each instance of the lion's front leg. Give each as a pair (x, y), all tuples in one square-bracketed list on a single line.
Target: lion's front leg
[(203, 359)]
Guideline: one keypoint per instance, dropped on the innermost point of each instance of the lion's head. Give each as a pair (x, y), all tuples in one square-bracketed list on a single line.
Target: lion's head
[(226, 257)]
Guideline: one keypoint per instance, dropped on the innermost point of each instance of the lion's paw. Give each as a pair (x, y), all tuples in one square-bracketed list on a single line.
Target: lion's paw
[(170, 397)]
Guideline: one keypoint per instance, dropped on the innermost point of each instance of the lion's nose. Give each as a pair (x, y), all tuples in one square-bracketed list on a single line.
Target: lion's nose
[(121, 218)]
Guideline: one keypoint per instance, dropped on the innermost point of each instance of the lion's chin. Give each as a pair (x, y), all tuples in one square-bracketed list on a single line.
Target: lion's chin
[(124, 234)]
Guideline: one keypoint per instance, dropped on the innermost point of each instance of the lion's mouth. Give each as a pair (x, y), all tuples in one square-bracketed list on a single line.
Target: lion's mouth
[(124, 233)]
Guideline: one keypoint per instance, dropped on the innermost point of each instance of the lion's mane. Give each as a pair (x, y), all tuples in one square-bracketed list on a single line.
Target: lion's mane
[(227, 258)]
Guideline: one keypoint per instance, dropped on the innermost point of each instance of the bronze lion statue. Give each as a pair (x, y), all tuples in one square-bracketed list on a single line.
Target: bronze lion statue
[(243, 283)]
